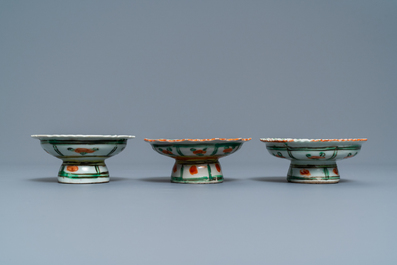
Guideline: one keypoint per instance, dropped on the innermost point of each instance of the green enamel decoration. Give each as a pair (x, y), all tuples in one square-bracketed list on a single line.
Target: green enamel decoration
[(209, 172), (179, 151), (56, 150), (112, 151), (83, 152)]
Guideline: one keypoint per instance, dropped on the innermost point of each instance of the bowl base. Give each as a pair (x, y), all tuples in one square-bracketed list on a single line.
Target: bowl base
[(313, 174), (83, 173), (83, 180), (314, 181), (196, 173)]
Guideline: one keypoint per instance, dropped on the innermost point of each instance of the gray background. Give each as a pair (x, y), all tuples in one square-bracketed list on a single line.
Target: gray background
[(197, 69)]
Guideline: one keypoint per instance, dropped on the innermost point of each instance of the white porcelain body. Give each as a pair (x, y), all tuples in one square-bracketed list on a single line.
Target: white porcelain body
[(313, 160), (83, 156), (196, 160)]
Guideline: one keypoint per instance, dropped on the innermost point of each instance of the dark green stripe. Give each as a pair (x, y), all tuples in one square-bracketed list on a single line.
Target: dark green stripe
[(313, 166), (87, 142), (56, 150), (176, 179), (113, 150), (198, 145), (84, 174), (181, 172), (74, 176), (333, 156), (290, 154), (209, 171), (179, 151), (312, 178), (326, 172), (84, 177), (331, 148), (215, 151)]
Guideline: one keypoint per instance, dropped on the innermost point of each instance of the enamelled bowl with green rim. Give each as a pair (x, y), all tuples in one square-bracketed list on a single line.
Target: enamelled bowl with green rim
[(197, 159), (313, 160), (83, 156)]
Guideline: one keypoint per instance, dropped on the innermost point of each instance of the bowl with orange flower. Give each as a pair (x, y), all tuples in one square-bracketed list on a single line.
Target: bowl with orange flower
[(197, 160), (313, 160), (83, 156)]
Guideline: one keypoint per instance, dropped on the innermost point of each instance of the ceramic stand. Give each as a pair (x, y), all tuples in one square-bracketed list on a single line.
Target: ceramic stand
[(313, 174), (83, 173), (200, 172)]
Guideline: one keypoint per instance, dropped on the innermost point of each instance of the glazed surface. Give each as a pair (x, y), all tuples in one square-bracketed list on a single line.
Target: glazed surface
[(313, 160), (197, 159), (212, 140)]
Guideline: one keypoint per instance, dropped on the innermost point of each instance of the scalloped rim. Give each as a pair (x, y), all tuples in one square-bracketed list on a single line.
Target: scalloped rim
[(81, 136), (285, 140), (197, 140)]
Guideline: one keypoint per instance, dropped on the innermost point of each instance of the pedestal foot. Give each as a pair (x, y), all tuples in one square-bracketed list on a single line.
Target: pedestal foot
[(313, 174), (83, 174), (200, 173)]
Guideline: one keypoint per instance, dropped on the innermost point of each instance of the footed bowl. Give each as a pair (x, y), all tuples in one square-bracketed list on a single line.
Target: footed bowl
[(313, 160), (196, 160), (83, 156)]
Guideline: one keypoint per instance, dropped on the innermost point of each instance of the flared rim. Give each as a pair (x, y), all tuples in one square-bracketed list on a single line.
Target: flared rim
[(197, 140), (80, 137)]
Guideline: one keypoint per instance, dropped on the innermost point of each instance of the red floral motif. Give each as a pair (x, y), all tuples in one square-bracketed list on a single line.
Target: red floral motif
[(227, 150), (72, 168), (199, 152), (174, 168), (167, 152), (218, 167), (305, 172), (193, 170), (316, 157), (84, 150), (335, 170)]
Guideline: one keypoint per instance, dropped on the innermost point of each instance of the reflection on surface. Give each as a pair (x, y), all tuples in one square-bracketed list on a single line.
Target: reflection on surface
[(282, 179)]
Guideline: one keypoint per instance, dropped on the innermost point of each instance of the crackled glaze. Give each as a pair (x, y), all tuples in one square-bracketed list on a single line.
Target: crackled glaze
[(83, 156), (313, 160), (197, 159)]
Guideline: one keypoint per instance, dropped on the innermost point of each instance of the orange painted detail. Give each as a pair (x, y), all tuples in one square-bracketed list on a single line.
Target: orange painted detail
[(174, 168), (193, 170), (72, 168), (335, 170), (199, 152), (84, 150), (316, 157), (167, 152), (218, 167), (305, 172), (196, 158), (227, 150)]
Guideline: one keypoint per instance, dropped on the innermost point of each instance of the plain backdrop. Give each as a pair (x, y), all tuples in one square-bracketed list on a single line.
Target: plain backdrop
[(198, 69)]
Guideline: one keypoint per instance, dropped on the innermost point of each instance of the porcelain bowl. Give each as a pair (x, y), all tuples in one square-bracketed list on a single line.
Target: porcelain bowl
[(313, 160), (197, 159), (83, 156)]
